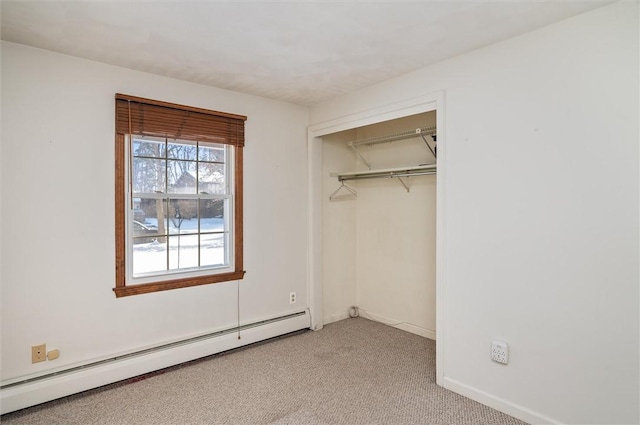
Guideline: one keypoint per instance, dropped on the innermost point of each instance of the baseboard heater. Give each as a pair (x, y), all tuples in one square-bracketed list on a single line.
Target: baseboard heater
[(252, 332)]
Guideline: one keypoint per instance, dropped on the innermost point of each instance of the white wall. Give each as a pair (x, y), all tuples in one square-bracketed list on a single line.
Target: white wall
[(541, 216), (58, 214)]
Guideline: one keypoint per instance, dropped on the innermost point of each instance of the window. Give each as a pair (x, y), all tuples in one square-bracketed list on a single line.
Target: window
[(178, 196)]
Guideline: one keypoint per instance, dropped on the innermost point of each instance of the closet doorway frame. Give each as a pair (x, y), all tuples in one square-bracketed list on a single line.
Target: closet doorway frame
[(426, 103)]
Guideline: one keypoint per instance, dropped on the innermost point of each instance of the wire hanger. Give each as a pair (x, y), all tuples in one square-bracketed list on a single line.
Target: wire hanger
[(352, 194)]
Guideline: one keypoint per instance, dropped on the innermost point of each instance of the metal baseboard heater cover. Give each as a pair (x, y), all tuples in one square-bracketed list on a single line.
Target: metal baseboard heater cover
[(152, 350)]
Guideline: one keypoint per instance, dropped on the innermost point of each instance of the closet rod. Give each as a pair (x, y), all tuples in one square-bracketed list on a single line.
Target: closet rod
[(383, 175), (421, 170), (429, 131)]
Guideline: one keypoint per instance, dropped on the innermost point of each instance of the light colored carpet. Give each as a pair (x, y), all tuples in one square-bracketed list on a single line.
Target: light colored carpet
[(301, 417), (351, 372)]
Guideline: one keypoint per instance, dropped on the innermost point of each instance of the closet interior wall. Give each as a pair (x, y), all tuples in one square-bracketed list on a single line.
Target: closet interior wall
[(379, 250), (339, 290)]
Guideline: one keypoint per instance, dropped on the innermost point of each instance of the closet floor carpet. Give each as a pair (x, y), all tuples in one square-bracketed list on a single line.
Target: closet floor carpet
[(355, 371)]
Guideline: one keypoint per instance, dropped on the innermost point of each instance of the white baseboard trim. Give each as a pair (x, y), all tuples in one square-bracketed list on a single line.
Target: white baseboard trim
[(505, 406), (408, 327), (423, 332), (335, 318), (31, 393)]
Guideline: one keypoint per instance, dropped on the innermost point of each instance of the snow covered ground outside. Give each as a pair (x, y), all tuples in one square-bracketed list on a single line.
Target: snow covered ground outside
[(180, 249)]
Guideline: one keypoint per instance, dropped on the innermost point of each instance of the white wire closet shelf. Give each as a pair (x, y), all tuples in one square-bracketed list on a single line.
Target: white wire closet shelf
[(409, 134), (427, 131)]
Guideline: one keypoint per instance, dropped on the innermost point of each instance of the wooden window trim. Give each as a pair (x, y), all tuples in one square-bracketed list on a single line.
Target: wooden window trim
[(121, 288)]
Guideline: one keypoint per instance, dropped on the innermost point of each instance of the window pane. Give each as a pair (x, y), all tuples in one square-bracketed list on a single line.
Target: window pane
[(182, 149), (152, 213), (148, 175), (212, 250), (211, 178), (183, 216), (182, 176), (212, 215), (149, 256), (211, 152), (149, 147), (183, 251), (142, 233)]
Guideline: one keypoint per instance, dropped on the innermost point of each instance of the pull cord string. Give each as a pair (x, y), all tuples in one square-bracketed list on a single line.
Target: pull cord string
[(238, 299)]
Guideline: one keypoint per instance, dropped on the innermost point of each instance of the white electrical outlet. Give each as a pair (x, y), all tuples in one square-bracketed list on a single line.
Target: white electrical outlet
[(500, 352), (292, 298)]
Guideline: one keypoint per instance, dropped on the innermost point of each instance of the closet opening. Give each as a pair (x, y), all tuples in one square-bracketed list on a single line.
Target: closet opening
[(378, 223), (378, 251)]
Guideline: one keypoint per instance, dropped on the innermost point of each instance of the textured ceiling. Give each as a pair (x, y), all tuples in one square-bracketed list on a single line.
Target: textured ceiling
[(299, 52)]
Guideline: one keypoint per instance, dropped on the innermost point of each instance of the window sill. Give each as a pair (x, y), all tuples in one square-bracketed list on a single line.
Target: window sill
[(125, 291)]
